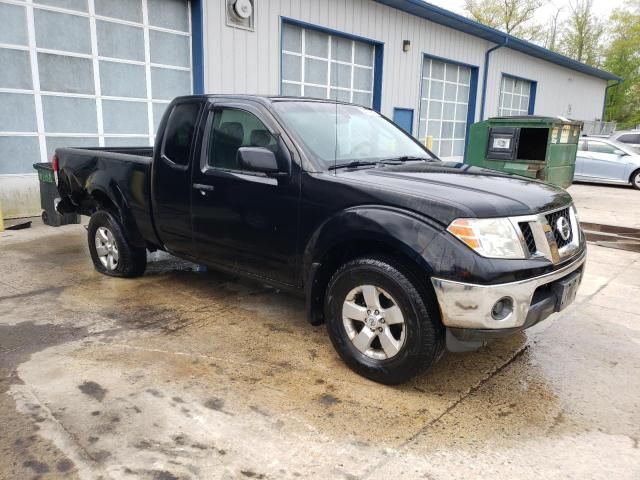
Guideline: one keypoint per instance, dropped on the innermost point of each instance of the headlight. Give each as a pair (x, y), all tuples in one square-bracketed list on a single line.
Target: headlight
[(490, 237)]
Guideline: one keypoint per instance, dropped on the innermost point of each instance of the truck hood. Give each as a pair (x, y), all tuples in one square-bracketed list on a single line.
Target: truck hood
[(448, 190)]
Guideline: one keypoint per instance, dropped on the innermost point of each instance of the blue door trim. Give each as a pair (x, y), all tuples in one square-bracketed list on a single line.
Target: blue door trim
[(403, 117), (473, 89), (377, 61), (532, 92), (197, 46)]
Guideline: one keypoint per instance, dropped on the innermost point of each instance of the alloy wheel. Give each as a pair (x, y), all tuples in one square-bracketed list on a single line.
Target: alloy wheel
[(374, 322), (106, 248)]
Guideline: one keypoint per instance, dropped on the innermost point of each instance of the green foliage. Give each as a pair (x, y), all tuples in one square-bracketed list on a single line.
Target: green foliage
[(514, 17), (622, 57), (582, 35)]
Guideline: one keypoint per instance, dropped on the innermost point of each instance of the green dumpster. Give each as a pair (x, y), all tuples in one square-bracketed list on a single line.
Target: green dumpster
[(543, 148), (48, 196)]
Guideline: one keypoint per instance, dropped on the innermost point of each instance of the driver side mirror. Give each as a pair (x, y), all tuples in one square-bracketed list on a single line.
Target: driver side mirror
[(260, 160)]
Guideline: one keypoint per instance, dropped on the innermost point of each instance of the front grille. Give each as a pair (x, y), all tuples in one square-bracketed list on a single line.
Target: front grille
[(527, 233), (552, 218)]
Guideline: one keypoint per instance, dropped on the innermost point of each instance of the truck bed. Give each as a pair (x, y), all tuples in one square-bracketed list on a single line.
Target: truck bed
[(120, 176)]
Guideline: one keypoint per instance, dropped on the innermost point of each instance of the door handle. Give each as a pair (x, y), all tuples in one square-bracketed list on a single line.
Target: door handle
[(203, 188)]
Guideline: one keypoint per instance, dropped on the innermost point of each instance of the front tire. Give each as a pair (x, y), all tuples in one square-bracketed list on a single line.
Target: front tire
[(635, 179), (111, 252), (382, 320)]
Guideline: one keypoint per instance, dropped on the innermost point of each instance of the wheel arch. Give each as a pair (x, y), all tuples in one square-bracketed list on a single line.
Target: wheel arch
[(105, 194), (362, 231)]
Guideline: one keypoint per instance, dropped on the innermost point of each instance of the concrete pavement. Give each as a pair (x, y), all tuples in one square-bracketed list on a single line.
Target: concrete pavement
[(181, 374)]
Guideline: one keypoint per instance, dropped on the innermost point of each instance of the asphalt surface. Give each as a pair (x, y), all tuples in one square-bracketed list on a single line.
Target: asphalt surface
[(184, 374)]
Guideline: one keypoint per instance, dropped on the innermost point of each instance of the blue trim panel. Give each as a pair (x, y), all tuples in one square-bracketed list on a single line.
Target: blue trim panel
[(532, 91), (197, 47), (377, 61), (532, 98), (403, 117), (444, 17)]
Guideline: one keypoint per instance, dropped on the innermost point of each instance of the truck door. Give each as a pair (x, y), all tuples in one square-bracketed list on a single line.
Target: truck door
[(171, 187), (241, 219)]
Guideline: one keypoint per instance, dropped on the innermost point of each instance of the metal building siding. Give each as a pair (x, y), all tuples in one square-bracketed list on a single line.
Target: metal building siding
[(241, 61), (558, 87)]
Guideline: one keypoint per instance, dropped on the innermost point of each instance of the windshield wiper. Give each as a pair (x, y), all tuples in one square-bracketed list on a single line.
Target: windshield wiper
[(354, 164), (405, 158)]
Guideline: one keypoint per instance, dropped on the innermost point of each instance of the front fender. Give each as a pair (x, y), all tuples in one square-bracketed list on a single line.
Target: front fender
[(401, 230)]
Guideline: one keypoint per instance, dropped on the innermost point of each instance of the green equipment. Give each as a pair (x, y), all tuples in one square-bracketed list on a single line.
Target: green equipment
[(543, 148)]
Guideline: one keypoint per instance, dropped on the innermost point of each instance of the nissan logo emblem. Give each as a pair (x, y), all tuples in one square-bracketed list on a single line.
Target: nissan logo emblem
[(564, 228)]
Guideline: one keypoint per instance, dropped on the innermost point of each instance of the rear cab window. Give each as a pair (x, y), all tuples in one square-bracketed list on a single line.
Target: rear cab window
[(179, 133)]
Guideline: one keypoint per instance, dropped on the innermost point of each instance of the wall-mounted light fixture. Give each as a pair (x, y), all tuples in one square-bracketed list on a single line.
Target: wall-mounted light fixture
[(406, 45)]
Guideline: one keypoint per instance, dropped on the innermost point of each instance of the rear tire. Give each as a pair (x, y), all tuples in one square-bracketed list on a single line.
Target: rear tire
[(635, 179), (398, 332), (111, 252)]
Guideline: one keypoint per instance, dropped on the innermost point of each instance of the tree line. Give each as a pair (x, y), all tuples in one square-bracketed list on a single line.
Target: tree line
[(612, 43)]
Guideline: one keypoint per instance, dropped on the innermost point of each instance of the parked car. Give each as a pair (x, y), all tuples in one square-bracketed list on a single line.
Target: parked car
[(601, 160), (399, 253), (629, 137)]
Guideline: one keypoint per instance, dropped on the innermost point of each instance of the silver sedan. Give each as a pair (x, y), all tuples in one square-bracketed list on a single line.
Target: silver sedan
[(601, 160)]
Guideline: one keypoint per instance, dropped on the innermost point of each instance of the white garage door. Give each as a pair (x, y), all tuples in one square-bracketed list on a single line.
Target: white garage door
[(444, 106), (87, 73), (317, 64)]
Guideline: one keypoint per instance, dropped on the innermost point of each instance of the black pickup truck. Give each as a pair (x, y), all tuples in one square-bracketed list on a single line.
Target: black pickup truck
[(401, 254)]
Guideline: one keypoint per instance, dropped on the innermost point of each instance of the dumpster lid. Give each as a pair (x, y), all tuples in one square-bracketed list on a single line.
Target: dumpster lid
[(536, 119)]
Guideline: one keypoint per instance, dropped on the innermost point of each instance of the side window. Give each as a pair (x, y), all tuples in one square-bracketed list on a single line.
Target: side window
[(629, 138), (233, 129), (600, 147), (179, 133), (582, 145)]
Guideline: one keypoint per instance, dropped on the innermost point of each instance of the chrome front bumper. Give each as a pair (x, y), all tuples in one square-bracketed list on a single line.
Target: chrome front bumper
[(468, 306)]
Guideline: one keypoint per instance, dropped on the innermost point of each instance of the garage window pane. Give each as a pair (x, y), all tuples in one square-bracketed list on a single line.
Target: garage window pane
[(120, 41), (315, 71), (60, 73), (18, 154), (291, 38), (60, 31), (340, 75), (316, 44), (123, 9), (326, 66), (291, 67), (167, 84), (14, 24), (18, 113), (111, 84), (363, 54), (291, 90), (125, 117), (514, 97), (170, 14), (362, 78), (444, 106), (169, 48), (341, 49), (15, 69), (83, 119), (80, 5)]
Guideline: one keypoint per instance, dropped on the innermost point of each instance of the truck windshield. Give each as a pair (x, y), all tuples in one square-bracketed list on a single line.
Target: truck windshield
[(337, 134)]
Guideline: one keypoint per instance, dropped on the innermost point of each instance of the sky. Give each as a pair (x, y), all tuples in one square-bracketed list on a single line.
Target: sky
[(602, 8)]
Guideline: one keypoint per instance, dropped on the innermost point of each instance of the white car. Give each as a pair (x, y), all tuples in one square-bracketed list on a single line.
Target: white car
[(601, 160)]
